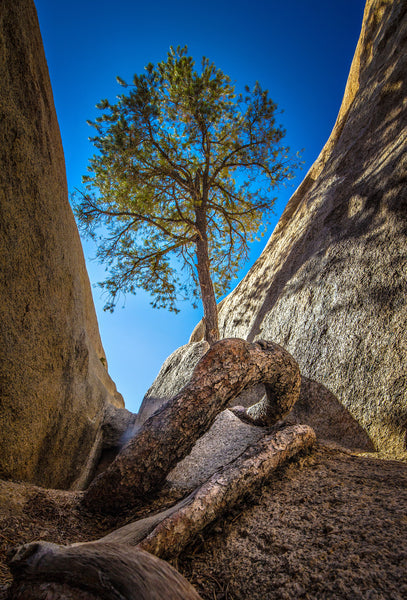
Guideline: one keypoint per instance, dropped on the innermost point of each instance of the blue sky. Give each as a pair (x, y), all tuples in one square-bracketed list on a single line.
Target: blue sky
[(300, 51)]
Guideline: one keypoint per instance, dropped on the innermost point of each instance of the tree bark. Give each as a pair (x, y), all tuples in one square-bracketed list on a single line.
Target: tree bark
[(225, 371), (205, 280), (116, 567), (175, 528)]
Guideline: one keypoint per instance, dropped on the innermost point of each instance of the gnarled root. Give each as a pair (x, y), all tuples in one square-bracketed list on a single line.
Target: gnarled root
[(173, 529), (116, 567), (229, 367)]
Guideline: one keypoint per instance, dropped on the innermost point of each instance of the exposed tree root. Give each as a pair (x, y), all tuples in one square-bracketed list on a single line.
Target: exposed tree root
[(223, 490), (116, 567), (113, 568), (225, 371), (85, 572)]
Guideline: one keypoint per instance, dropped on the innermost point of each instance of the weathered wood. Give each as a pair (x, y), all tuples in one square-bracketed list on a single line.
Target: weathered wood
[(135, 532), (268, 410), (85, 572), (116, 567), (225, 371), (223, 490), (167, 533)]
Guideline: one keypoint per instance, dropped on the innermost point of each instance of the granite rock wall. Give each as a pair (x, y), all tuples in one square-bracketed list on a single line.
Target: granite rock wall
[(330, 284), (54, 386)]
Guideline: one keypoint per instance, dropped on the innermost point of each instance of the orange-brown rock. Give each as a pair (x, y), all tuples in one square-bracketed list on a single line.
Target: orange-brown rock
[(54, 384)]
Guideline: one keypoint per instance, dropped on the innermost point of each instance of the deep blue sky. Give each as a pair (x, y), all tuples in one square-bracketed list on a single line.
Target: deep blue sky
[(299, 50)]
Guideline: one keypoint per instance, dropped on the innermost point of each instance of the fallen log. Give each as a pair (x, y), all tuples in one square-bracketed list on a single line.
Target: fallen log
[(229, 367), (44, 571)]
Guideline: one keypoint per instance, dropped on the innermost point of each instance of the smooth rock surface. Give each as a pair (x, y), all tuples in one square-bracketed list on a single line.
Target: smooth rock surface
[(331, 421), (117, 424), (330, 286), (227, 439), (173, 376), (53, 377)]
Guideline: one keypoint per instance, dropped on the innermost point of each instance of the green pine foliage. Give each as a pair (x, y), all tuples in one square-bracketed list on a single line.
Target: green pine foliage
[(178, 143)]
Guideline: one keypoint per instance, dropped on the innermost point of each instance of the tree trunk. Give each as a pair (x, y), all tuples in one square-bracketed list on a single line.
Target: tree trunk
[(205, 281), (224, 372)]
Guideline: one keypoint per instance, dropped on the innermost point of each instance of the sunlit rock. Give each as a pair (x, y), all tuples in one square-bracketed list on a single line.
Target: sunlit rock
[(54, 382), (331, 283)]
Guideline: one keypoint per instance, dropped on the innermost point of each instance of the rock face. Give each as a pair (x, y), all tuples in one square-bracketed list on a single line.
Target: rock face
[(330, 284), (53, 377), (173, 376), (227, 439)]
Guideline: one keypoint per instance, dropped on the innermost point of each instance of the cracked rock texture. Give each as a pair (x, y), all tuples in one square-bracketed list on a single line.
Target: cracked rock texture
[(53, 377), (330, 284)]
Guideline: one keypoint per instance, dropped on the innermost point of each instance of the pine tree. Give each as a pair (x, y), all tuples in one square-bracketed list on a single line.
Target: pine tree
[(183, 179)]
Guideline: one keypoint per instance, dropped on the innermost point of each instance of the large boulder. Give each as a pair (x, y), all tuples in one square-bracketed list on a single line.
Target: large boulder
[(53, 377), (330, 284), (175, 373)]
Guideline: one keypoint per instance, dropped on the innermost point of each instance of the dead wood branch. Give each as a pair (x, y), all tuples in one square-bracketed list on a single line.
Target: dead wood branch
[(90, 571), (229, 367), (224, 490)]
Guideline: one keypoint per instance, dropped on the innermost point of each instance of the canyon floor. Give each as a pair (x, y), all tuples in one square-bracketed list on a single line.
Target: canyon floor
[(329, 524)]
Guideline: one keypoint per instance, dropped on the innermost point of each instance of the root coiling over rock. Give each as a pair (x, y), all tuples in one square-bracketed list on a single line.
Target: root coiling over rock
[(223, 490), (116, 567), (229, 367)]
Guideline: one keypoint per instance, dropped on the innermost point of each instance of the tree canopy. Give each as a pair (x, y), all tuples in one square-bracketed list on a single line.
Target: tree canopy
[(182, 182)]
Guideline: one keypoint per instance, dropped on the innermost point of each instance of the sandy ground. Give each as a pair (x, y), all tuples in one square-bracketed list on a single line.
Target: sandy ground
[(328, 525)]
